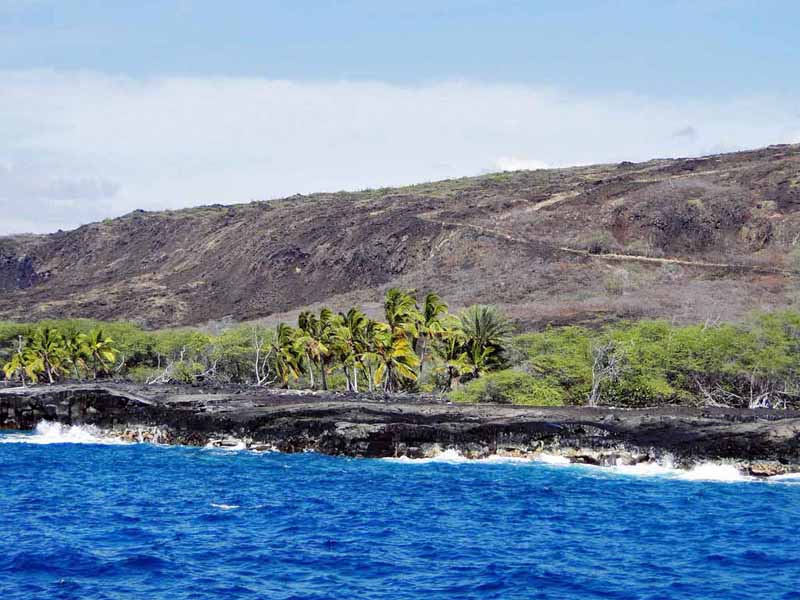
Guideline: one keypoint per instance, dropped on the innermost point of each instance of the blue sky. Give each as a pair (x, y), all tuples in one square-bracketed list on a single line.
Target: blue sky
[(664, 47), (109, 106)]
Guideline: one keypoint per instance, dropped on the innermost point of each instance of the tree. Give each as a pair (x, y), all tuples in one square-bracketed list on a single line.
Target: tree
[(395, 358), (99, 351), (369, 359), (327, 324), (261, 356), (486, 332), (22, 363), (350, 343), (606, 367), (286, 354), (48, 349), (400, 310), (76, 352), (431, 325), (315, 338), (450, 349)]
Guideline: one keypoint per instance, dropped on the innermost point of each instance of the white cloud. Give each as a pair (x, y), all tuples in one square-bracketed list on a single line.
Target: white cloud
[(80, 146)]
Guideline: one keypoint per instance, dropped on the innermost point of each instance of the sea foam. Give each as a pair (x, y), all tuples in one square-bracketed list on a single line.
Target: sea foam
[(47, 432), (664, 468)]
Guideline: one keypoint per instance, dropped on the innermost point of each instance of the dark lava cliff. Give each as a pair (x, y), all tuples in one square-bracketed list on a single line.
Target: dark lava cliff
[(762, 442), (704, 238)]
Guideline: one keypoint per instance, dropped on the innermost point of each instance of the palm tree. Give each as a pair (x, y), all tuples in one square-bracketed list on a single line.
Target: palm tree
[(23, 362), (77, 352), (309, 340), (327, 326), (350, 344), (431, 325), (486, 332), (286, 354), (48, 348), (451, 349), (368, 355), (396, 361), (402, 314), (99, 351), (315, 340)]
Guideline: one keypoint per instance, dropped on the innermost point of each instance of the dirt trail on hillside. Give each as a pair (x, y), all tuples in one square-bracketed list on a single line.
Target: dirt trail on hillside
[(608, 256)]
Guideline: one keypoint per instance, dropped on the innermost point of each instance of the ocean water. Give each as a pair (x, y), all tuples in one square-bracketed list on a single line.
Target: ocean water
[(84, 518)]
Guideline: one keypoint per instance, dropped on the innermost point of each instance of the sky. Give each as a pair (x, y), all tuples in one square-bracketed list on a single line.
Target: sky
[(107, 107)]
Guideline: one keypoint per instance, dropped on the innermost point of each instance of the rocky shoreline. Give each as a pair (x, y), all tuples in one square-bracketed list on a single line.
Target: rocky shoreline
[(759, 443)]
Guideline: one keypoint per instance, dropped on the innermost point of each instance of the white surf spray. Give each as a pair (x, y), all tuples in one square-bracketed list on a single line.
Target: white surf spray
[(47, 432), (646, 469), (664, 468), (709, 471), (446, 456), (225, 506), (552, 459), (227, 445), (453, 456)]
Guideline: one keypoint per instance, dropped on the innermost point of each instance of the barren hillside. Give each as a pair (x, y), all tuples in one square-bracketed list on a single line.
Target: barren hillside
[(690, 239)]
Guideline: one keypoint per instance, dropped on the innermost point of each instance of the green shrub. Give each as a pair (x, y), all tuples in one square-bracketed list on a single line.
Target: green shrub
[(143, 374), (186, 372), (511, 387), (562, 355)]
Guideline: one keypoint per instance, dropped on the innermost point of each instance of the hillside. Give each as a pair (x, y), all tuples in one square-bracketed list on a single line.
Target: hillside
[(689, 239)]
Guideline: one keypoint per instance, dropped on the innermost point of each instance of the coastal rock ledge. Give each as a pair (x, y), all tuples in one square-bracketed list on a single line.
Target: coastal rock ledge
[(759, 442)]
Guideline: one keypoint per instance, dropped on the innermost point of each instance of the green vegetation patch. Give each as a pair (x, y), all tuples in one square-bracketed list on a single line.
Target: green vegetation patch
[(512, 387), (420, 346)]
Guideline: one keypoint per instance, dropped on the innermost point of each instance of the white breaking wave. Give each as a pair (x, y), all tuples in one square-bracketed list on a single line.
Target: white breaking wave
[(452, 456), (552, 459), (47, 432), (646, 469), (225, 506), (447, 456), (226, 445), (707, 471)]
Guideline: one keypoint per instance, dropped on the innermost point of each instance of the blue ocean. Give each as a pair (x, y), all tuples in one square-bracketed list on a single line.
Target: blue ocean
[(84, 519)]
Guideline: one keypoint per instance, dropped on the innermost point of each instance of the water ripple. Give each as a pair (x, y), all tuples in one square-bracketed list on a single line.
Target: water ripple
[(137, 521)]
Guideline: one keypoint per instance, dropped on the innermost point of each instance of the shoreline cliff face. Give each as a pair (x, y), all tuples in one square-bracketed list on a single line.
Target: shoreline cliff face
[(759, 442)]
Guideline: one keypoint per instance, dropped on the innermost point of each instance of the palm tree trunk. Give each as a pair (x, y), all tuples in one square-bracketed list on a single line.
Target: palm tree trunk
[(347, 378), (310, 369), (387, 382), (323, 375), (21, 361), (454, 379)]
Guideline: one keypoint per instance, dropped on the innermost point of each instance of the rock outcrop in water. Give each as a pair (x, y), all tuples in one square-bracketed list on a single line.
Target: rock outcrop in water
[(763, 442)]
